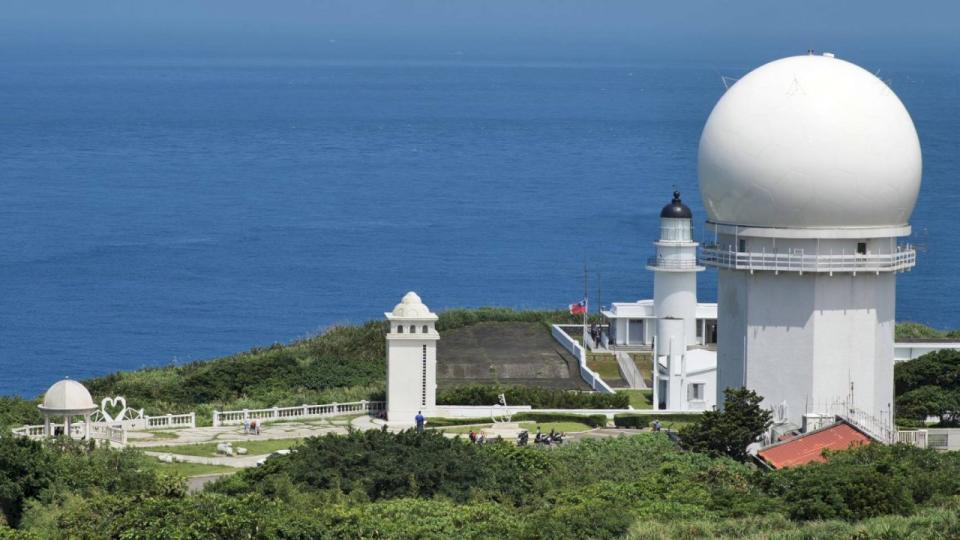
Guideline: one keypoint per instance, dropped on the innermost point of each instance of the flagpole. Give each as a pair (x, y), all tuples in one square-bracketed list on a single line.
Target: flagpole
[(586, 306)]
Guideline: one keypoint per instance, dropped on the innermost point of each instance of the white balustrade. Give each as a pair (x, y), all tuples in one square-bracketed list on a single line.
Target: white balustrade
[(904, 258), (273, 414)]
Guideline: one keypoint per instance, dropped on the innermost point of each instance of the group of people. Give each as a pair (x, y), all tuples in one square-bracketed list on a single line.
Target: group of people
[(596, 333), (554, 437), (251, 427), (477, 437)]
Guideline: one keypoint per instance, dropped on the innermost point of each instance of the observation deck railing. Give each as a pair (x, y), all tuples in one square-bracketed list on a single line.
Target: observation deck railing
[(672, 264), (721, 257)]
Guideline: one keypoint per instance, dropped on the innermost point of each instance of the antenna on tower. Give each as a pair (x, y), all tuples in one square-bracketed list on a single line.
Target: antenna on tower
[(728, 81), (920, 241)]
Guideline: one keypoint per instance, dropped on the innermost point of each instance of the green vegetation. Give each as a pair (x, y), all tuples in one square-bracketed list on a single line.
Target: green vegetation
[(728, 432), (538, 398), (929, 386), (639, 399), (210, 449), (563, 427), (192, 469), (673, 421), (605, 365), (593, 420), (164, 435), (382, 485), (908, 331)]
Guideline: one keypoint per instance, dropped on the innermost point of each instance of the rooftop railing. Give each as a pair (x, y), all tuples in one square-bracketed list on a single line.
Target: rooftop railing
[(797, 261)]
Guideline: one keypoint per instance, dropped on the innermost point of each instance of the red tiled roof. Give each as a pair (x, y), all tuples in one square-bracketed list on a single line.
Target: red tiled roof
[(809, 447)]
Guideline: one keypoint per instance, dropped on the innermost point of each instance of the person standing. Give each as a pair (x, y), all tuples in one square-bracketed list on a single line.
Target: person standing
[(420, 421)]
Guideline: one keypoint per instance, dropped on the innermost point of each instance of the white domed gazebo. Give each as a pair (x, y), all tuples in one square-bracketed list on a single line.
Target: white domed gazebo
[(809, 169), (67, 399)]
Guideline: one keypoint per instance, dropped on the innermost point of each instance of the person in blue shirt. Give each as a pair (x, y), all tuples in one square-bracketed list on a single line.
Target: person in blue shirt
[(420, 421)]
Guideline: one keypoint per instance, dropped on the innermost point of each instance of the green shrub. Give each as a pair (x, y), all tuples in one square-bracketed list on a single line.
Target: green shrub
[(445, 422), (641, 421), (536, 397), (592, 420)]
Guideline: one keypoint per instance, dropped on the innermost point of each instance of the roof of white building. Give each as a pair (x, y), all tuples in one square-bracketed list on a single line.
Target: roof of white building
[(68, 396), (809, 142), (643, 309), (699, 360), (411, 307)]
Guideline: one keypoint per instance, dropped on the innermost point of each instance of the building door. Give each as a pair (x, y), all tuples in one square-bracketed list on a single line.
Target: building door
[(636, 332)]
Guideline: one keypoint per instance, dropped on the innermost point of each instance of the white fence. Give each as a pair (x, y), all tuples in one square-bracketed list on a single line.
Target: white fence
[(99, 430), (577, 351), (224, 418), (936, 438)]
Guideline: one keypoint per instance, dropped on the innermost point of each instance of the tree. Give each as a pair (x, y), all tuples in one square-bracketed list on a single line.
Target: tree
[(730, 431)]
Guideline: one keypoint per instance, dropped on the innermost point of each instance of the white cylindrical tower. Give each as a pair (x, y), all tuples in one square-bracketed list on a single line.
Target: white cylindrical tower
[(411, 361), (675, 266), (809, 168)]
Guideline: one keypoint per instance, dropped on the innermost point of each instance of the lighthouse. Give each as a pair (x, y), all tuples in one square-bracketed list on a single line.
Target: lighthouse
[(809, 169), (684, 372), (411, 360)]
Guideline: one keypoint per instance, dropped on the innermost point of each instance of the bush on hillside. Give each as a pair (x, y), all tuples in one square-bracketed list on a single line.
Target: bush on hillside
[(641, 421), (592, 420), (539, 398)]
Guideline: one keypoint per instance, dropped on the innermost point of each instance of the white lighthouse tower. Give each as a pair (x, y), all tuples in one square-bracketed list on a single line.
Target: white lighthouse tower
[(809, 168), (684, 372), (411, 360)]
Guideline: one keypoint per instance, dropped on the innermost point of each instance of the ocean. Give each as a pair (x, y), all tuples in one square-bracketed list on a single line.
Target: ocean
[(160, 211)]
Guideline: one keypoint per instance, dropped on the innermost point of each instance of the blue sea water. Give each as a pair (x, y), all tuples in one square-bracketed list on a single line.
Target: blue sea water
[(162, 211)]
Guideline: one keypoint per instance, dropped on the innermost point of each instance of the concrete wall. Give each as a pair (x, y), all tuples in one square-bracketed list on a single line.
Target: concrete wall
[(808, 339)]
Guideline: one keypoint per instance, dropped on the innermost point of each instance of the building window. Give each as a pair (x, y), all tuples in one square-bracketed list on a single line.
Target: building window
[(423, 378), (861, 248), (399, 328), (741, 245), (413, 329), (695, 391), (425, 329)]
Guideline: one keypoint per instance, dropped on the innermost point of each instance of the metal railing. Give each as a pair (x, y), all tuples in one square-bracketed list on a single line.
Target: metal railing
[(673, 264), (903, 259)]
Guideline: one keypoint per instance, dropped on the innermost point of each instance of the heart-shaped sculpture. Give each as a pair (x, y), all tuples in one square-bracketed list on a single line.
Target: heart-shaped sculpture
[(117, 404)]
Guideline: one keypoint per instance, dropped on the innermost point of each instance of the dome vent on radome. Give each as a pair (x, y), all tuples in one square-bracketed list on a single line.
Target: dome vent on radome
[(411, 307), (68, 395), (809, 142)]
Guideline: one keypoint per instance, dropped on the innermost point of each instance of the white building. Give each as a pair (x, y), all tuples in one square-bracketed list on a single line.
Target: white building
[(677, 330), (809, 168), (411, 361)]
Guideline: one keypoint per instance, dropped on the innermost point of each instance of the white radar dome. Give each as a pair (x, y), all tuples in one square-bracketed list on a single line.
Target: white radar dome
[(809, 142)]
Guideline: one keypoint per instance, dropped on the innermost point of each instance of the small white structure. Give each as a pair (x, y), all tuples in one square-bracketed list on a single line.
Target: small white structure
[(679, 331), (67, 399), (809, 169), (411, 361)]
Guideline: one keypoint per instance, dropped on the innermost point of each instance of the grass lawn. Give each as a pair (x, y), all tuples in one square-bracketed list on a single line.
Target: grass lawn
[(157, 435), (545, 427), (605, 364), (192, 469), (465, 429), (210, 449), (639, 399)]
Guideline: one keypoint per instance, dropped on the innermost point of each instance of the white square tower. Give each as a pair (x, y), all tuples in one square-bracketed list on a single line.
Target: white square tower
[(411, 361)]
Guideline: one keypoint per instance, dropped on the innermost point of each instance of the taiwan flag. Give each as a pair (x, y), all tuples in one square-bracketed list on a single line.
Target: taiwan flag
[(579, 308)]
